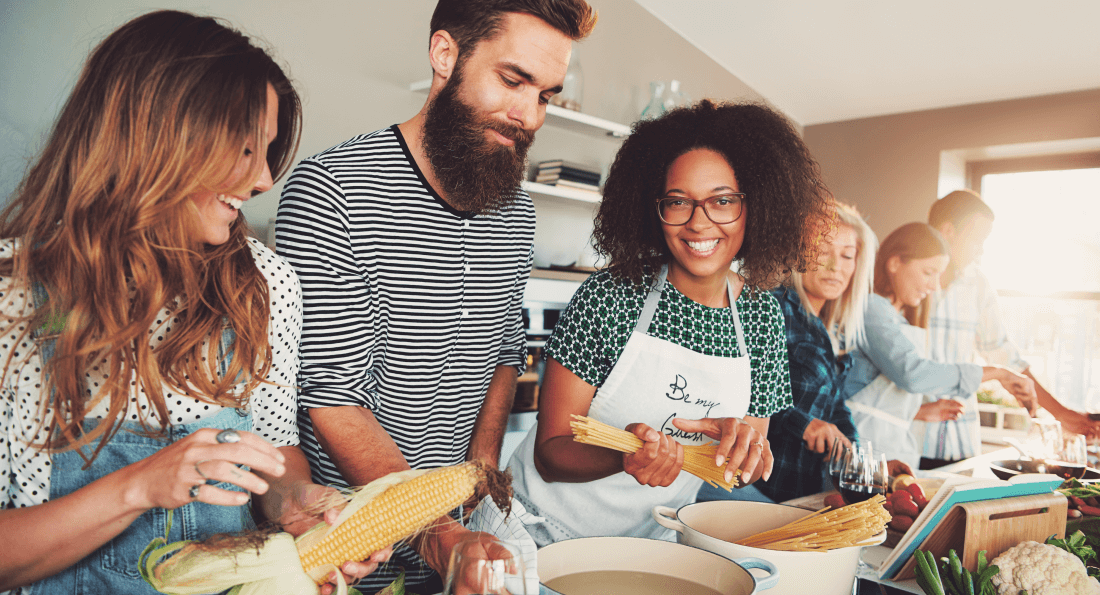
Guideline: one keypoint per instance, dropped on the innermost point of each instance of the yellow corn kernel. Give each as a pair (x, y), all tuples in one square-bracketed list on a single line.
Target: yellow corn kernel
[(395, 514)]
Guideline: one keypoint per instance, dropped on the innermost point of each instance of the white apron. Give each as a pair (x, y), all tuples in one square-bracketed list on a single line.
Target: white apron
[(883, 413), (652, 382)]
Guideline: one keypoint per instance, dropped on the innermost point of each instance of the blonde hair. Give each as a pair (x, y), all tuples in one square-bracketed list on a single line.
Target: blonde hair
[(843, 317), (109, 230)]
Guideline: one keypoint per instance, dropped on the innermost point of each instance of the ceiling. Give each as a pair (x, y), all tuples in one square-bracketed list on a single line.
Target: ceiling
[(830, 60)]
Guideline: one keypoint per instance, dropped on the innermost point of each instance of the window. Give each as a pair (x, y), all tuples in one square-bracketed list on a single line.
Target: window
[(1045, 239), (1044, 257)]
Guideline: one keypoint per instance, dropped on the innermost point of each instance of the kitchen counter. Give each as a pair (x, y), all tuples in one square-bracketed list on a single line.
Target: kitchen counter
[(869, 583), (976, 466)]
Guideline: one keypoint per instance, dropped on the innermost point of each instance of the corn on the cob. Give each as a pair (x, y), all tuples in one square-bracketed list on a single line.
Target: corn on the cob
[(400, 511), (388, 510)]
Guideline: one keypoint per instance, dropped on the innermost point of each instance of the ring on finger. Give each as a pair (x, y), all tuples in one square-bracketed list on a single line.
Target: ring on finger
[(759, 443), (228, 436), (194, 491), (199, 471)]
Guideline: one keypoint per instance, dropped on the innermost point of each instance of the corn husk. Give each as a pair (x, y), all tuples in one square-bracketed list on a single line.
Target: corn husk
[(274, 568)]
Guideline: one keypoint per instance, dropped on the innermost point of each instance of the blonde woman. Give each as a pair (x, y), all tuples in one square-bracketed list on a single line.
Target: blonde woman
[(823, 312), (891, 372), (149, 346)]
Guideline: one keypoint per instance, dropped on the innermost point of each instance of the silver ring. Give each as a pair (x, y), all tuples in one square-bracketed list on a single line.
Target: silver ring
[(194, 491), (199, 471), (228, 436), (760, 444)]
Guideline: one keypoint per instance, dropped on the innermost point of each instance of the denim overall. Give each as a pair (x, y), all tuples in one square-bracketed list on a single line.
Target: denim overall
[(113, 568)]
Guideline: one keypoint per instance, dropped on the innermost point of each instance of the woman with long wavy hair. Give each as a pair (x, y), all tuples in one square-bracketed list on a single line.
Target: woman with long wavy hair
[(149, 346)]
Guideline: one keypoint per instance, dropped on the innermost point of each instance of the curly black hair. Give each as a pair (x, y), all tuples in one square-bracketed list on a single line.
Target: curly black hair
[(787, 204)]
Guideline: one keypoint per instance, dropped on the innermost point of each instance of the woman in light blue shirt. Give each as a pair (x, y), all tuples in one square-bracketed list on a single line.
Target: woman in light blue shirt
[(891, 372)]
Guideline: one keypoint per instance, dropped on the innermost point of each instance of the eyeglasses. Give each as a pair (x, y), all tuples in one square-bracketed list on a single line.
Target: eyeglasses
[(725, 208)]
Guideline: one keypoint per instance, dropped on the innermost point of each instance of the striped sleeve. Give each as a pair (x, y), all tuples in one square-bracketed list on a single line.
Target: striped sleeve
[(513, 349), (312, 233)]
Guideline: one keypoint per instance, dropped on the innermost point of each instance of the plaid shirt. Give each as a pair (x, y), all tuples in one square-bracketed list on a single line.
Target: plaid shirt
[(966, 323), (817, 382)]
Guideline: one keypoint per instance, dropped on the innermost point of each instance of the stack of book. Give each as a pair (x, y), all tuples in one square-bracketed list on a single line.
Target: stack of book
[(559, 172)]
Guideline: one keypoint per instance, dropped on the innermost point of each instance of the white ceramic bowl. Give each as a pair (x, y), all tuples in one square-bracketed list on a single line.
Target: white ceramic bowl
[(714, 526), (650, 555)]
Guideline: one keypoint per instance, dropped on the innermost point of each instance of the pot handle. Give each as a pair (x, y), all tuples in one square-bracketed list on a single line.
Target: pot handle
[(761, 583), (666, 517)]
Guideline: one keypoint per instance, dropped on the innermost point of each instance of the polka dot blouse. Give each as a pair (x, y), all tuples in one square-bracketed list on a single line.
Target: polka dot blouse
[(273, 406), (593, 331)]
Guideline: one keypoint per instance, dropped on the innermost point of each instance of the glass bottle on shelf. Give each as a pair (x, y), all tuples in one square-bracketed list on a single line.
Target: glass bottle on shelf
[(572, 87), (656, 105), (675, 97)]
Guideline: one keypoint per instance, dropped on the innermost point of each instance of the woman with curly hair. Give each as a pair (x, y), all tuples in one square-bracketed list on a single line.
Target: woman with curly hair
[(149, 345), (667, 342)]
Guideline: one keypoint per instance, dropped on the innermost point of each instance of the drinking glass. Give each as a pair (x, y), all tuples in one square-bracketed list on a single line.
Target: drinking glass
[(1050, 435), (482, 566), (864, 476), (1075, 455), (838, 456)]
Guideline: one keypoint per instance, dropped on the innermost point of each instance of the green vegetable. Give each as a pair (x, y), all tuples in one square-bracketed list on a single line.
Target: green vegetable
[(986, 572), (1077, 545), (955, 580), (928, 576), (1074, 487)]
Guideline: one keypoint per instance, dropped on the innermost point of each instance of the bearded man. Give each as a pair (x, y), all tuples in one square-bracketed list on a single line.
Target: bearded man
[(413, 245)]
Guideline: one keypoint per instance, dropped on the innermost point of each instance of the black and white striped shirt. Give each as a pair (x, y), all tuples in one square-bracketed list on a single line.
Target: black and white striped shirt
[(409, 304)]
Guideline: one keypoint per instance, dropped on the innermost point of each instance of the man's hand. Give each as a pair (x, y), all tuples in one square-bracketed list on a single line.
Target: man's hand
[(297, 517), (819, 435), (436, 543), (1079, 423), (1021, 387)]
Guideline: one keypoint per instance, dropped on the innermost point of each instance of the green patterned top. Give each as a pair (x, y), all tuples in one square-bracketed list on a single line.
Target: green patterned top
[(593, 331)]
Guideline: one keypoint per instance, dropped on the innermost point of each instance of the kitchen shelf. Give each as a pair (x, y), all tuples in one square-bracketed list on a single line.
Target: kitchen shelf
[(560, 117), (561, 192)]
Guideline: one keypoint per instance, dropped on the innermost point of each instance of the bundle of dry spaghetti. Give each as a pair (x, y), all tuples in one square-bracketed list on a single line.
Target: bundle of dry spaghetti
[(826, 529), (698, 459)]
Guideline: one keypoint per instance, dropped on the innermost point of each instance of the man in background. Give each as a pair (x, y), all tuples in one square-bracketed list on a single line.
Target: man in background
[(413, 245), (967, 322)]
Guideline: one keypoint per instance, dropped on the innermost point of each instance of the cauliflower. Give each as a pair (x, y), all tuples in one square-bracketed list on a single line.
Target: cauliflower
[(1042, 569)]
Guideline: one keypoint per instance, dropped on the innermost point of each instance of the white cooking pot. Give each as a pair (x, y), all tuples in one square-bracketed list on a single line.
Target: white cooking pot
[(588, 554), (714, 526)]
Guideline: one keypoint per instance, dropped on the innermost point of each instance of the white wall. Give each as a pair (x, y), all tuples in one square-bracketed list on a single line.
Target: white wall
[(352, 61)]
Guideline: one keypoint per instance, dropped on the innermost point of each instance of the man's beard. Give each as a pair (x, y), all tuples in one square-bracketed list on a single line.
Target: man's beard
[(475, 173)]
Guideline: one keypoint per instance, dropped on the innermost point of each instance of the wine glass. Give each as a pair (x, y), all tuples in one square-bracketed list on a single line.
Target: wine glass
[(1075, 456), (864, 475), (838, 456), (483, 566)]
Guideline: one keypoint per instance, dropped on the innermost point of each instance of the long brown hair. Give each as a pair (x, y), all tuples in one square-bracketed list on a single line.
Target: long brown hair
[(909, 242), (108, 229)]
